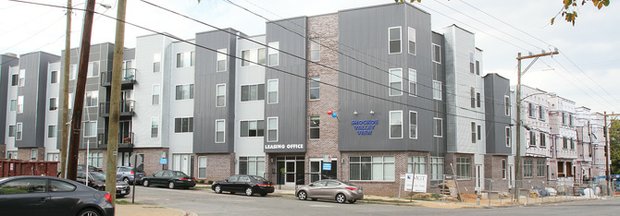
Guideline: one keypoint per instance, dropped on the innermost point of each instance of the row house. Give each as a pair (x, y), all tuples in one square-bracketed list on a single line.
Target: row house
[(564, 136)]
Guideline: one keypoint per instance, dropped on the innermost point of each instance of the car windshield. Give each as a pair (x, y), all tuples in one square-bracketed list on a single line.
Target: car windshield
[(259, 178), (97, 176), (178, 174)]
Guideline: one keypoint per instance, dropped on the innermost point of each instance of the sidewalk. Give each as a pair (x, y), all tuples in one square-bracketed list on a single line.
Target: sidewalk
[(149, 210)]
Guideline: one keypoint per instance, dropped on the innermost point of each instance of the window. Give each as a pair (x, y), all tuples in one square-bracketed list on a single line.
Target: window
[(528, 167), (395, 36), (11, 130), (73, 72), (473, 132), (565, 143), (436, 168), (53, 104), (90, 129), (532, 138), (262, 56), (570, 120), (479, 131), (93, 69), (436, 53), (255, 128), (192, 58), (245, 57), (91, 98), (13, 106), (437, 92), (184, 92), (154, 127), (51, 131), (572, 144), (315, 50), (315, 88), (413, 82), (180, 62), (53, 157), (22, 78), (396, 81), (253, 92), (202, 167), (14, 79), (463, 168), (412, 40), (508, 136), (184, 125), (272, 91), (413, 125), (24, 186), (220, 95), (531, 109), (506, 105), (504, 169), (477, 67), (220, 131), (564, 119), (437, 127), (471, 63), (54, 77), (155, 97), (416, 165), (95, 159), (20, 104), (541, 167), (156, 62), (58, 186), (396, 124), (252, 166), (472, 96), (379, 168), (274, 53), (543, 140), (478, 99), (314, 127), (221, 60), (18, 131), (272, 129)]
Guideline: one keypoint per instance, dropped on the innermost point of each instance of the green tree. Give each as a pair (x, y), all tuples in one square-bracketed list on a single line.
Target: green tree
[(614, 142), (568, 10)]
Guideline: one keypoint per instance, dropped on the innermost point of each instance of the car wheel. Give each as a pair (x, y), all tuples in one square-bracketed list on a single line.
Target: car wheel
[(352, 201), (249, 191), (302, 195), (341, 198), (126, 180), (145, 183), (89, 212), (171, 185), (217, 189)]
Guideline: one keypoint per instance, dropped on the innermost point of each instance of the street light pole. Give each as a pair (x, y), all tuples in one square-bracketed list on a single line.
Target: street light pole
[(518, 164)]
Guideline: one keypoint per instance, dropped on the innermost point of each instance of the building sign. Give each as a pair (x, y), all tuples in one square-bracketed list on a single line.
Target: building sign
[(364, 127), (285, 148), (409, 182), (327, 166), (163, 161), (415, 183)]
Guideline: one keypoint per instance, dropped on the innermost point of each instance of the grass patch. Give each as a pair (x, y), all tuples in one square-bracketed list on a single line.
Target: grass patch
[(125, 202)]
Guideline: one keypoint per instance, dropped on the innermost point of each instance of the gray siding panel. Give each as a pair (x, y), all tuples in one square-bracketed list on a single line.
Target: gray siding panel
[(5, 63), (439, 73), (366, 30), (206, 79), (496, 87), (291, 108)]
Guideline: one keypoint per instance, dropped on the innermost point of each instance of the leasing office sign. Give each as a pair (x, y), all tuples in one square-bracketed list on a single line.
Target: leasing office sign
[(285, 148)]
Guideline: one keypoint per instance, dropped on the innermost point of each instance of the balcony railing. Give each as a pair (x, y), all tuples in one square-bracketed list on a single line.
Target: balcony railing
[(127, 108), (128, 77), (124, 140)]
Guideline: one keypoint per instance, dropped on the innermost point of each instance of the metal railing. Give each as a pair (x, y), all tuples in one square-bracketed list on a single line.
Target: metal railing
[(128, 77), (127, 108)]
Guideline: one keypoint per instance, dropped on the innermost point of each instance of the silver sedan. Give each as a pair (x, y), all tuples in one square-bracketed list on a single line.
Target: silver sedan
[(332, 189)]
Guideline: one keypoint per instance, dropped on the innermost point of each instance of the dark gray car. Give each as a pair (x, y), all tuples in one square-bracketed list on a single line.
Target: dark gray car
[(126, 174), (51, 196)]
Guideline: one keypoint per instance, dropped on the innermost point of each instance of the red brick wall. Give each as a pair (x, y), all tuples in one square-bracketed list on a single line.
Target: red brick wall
[(151, 159), (24, 153), (493, 173), (219, 166), (465, 186)]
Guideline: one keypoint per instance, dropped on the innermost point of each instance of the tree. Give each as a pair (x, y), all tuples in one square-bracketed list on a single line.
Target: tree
[(614, 142), (568, 11)]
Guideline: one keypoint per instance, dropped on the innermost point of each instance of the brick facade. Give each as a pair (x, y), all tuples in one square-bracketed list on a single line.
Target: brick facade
[(465, 185), (25, 153), (219, 166), (495, 173)]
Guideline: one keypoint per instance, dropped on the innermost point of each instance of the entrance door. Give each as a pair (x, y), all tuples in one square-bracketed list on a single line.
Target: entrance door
[(290, 172), (181, 163)]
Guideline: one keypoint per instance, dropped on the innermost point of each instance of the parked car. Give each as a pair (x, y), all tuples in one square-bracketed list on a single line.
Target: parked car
[(126, 174), (169, 178), (96, 180), (248, 184), (82, 167), (51, 196), (331, 189)]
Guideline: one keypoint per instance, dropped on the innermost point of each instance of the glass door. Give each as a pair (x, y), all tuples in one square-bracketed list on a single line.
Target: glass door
[(290, 172)]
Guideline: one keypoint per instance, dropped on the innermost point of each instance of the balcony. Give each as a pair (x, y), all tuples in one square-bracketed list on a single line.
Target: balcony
[(124, 140), (128, 78), (126, 108)]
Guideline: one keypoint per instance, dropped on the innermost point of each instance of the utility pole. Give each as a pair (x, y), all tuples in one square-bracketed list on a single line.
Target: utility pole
[(518, 165), (115, 93), (78, 104), (65, 92), (608, 151)]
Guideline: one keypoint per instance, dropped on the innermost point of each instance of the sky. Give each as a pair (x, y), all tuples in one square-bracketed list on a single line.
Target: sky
[(587, 70)]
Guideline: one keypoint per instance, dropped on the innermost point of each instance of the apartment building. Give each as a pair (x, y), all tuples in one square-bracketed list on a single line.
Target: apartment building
[(585, 137), (7, 63), (564, 136)]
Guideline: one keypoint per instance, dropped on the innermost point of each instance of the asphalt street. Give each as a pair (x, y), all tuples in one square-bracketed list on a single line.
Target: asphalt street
[(206, 202)]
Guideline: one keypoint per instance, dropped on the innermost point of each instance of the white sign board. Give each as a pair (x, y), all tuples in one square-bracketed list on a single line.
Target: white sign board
[(408, 181), (419, 184)]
